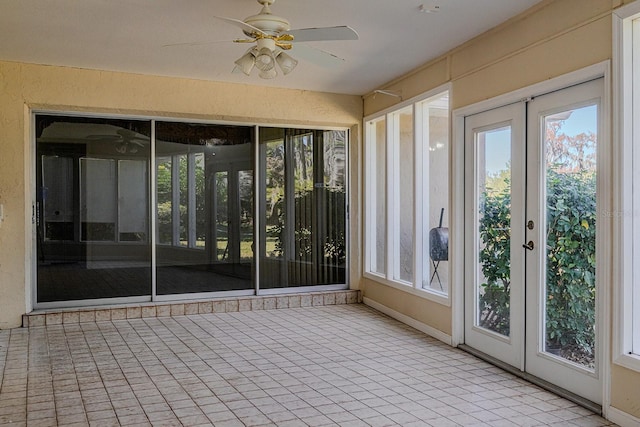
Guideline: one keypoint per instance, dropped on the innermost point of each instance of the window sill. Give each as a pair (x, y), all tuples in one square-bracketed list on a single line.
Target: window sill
[(435, 296), (629, 361)]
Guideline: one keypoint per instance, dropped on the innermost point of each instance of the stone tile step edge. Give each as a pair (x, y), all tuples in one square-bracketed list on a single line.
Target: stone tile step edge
[(181, 308)]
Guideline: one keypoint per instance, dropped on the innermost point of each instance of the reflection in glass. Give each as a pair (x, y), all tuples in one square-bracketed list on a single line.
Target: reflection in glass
[(57, 201), (245, 189), (133, 204), (570, 159), (98, 199), (164, 200), (184, 200), (199, 208), (93, 206), (303, 239), (494, 229), (221, 210)]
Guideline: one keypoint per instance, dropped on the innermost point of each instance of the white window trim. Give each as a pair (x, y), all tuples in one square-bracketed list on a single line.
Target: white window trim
[(419, 231), (627, 96)]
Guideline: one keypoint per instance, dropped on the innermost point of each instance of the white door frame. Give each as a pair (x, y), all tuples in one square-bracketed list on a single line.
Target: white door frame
[(605, 183)]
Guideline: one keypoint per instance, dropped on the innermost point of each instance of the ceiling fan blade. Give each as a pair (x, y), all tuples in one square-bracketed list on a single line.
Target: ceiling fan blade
[(197, 43), (323, 34), (316, 56), (250, 29)]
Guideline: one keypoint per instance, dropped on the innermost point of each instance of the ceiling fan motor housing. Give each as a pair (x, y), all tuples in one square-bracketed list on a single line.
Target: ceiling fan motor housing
[(267, 22)]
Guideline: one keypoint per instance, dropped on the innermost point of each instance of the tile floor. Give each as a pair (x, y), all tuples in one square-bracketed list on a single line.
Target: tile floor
[(341, 365)]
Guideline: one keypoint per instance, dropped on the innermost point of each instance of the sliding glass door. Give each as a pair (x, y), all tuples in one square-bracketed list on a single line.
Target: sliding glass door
[(137, 210), (92, 209), (204, 182), (303, 233)]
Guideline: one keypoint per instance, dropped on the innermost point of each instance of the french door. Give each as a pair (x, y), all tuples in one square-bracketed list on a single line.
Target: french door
[(530, 227)]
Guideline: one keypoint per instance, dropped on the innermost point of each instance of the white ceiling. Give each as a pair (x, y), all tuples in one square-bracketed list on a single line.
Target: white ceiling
[(130, 36)]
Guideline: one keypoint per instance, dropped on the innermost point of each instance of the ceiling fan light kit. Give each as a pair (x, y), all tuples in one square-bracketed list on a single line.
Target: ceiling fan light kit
[(272, 34), (286, 62), (246, 62)]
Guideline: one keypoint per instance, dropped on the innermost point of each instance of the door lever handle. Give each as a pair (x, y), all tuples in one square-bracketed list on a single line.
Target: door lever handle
[(529, 245)]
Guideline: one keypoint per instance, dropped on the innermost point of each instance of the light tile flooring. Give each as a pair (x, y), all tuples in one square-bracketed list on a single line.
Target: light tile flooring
[(344, 365)]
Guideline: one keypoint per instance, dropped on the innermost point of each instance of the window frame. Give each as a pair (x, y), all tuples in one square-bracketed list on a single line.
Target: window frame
[(420, 183), (626, 272)]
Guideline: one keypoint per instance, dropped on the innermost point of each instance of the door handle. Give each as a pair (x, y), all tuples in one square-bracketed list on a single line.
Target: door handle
[(529, 245)]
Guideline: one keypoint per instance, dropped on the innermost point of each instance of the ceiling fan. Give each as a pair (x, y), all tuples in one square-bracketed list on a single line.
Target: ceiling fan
[(125, 140), (273, 36)]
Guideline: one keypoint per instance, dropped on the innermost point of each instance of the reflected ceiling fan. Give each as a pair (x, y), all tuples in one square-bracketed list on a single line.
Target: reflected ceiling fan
[(125, 140), (273, 36)]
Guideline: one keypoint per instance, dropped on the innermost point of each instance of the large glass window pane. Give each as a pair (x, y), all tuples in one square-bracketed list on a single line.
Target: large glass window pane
[(407, 195), (303, 236), (201, 205), (403, 196), (93, 208), (435, 127), (377, 203)]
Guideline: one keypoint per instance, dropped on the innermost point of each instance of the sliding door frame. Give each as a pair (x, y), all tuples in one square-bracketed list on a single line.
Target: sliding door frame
[(31, 207)]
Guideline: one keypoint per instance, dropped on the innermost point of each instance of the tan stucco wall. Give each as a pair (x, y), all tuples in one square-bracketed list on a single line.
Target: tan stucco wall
[(24, 87), (625, 390), (551, 39)]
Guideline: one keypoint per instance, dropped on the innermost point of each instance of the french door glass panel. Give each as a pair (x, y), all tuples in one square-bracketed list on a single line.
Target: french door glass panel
[(494, 229), (570, 162)]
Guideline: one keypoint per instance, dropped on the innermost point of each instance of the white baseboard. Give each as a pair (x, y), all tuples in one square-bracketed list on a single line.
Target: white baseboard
[(439, 335), (622, 418)]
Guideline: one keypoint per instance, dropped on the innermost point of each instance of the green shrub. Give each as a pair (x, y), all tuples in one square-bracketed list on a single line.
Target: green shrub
[(570, 258)]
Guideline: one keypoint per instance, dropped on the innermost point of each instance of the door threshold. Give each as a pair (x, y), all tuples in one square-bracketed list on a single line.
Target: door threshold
[(578, 400)]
